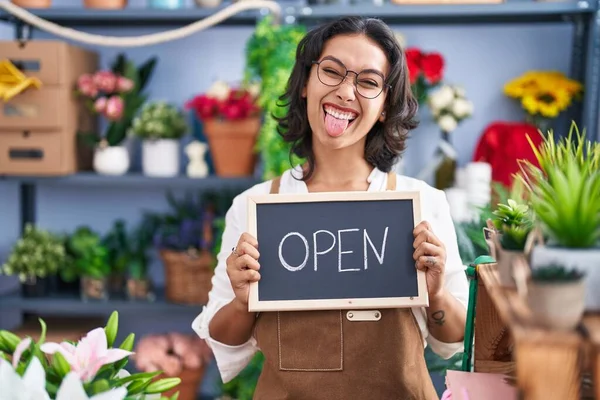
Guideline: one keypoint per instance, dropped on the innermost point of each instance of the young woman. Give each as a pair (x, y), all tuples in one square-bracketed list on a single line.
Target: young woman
[(350, 111)]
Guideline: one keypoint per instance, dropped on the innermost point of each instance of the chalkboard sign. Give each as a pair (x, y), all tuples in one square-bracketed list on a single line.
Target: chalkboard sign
[(341, 250)]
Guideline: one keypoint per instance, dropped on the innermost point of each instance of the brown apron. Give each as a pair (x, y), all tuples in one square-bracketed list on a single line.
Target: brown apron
[(342, 354)]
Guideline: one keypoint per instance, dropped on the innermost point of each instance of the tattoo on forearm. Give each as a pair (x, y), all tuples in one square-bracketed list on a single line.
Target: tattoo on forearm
[(438, 317)]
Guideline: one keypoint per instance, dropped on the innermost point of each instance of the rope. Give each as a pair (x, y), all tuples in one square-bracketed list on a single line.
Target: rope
[(144, 40)]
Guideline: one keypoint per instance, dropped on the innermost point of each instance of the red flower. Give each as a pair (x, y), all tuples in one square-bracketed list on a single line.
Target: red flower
[(433, 67), (239, 104)]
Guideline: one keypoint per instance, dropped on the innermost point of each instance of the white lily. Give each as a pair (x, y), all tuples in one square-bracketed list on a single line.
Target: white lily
[(71, 388), (90, 354), (32, 386)]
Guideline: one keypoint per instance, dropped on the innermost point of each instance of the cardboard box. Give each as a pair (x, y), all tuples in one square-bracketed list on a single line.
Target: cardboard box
[(38, 128)]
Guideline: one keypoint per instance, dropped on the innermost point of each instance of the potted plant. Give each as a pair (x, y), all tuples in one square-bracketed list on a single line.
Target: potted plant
[(116, 245), (91, 261), (177, 355), (449, 106), (512, 222), (116, 95), (37, 369), (35, 258), (563, 193), (231, 121), (270, 58), (556, 296), (139, 285), (160, 126)]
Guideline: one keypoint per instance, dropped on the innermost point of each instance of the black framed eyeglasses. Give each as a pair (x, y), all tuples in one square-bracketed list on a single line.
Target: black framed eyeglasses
[(368, 83)]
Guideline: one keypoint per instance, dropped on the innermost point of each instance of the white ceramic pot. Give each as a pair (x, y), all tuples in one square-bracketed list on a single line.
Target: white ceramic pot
[(584, 260), (112, 160), (160, 158), (556, 305)]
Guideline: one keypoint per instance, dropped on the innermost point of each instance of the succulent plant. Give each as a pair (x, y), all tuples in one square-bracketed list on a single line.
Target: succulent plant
[(514, 221), (556, 273), (159, 120)]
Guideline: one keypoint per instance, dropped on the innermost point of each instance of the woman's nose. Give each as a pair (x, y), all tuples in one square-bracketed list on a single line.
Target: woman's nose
[(346, 90)]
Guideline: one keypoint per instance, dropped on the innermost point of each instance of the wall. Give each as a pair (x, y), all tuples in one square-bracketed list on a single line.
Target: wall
[(481, 58)]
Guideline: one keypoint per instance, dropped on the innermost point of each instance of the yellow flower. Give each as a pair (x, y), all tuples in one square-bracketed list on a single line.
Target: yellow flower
[(548, 102)]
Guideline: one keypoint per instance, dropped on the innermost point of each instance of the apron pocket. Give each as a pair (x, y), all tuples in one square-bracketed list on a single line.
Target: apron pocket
[(310, 340)]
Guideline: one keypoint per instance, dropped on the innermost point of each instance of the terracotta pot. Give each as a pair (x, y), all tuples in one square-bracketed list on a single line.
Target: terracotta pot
[(232, 145), (105, 4), (188, 388), (32, 3)]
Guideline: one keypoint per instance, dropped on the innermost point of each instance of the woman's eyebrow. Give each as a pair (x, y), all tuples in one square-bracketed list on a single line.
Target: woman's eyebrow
[(337, 60)]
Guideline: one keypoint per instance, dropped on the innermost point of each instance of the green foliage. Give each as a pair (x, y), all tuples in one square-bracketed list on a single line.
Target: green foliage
[(243, 385), (556, 273), (38, 253), (159, 120), (89, 257), (270, 58), (514, 221), (565, 189), (116, 245)]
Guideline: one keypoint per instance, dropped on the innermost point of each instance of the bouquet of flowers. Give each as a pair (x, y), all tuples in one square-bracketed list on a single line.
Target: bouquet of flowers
[(543, 94), (449, 106), (224, 102), (426, 71), (88, 370), (115, 94)]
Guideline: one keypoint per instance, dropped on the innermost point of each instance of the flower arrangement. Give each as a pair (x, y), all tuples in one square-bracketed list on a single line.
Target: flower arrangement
[(38, 254), (449, 106), (116, 95), (87, 370), (543, 94), (159, 120), (426, 71), (225, 102)]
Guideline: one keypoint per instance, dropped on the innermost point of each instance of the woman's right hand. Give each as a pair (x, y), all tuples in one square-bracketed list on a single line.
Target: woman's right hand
[(242, 268)]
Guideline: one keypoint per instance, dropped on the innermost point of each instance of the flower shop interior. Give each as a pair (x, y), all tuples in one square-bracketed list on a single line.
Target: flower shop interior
[(122, 148)]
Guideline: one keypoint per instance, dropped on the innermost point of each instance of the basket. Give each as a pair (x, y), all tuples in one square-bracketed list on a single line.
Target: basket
[(188, 275)]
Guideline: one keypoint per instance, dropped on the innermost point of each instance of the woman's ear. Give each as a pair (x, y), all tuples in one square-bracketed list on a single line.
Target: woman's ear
[(382, 116), (304, 91)]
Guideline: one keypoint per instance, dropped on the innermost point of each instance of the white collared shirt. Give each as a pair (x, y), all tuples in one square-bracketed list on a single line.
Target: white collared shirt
[(434, 209)]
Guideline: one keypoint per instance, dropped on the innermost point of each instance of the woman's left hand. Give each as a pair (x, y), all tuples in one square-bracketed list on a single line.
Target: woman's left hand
[(430, 256)]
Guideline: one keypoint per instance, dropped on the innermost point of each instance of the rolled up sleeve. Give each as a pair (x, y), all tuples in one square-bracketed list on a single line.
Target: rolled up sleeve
[(230, 360), (455, 278)]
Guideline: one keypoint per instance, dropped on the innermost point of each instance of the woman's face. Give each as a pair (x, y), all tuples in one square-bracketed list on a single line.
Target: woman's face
[(338, 115)]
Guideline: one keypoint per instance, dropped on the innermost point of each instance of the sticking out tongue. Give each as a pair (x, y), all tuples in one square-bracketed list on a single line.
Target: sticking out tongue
[(335, 126)]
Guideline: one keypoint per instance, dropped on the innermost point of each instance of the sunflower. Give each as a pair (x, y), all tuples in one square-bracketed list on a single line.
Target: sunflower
[(547, 102)]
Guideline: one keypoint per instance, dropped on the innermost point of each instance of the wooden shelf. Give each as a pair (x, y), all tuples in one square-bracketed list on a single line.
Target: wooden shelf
[(547, 364)]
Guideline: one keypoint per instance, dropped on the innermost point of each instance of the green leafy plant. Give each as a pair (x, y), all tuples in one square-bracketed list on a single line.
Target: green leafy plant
[(76, 367), (37, 254), (243, 385), (117, 247), (556, 273), (89, 256), (514, 221), (565, 188), (159, 120), (270, 57)]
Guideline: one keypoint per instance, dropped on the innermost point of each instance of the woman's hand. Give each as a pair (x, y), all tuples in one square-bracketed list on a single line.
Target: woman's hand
[(430, 256), (242, 268)]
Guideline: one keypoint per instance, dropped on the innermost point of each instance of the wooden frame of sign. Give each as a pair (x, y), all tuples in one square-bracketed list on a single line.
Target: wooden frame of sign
[(412, 199)]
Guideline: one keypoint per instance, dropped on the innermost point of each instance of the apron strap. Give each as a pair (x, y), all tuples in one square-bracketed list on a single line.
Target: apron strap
[(391, 181), (275, 185)]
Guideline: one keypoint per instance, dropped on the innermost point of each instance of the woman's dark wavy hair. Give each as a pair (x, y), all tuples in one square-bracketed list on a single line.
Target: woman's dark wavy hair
[(386, 141)]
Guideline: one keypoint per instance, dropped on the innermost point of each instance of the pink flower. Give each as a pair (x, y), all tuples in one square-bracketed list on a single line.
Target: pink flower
[(105, 81), (100, 105), (86, 85), (90, 354), (114, 108), (124, 84), (21, 347)]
